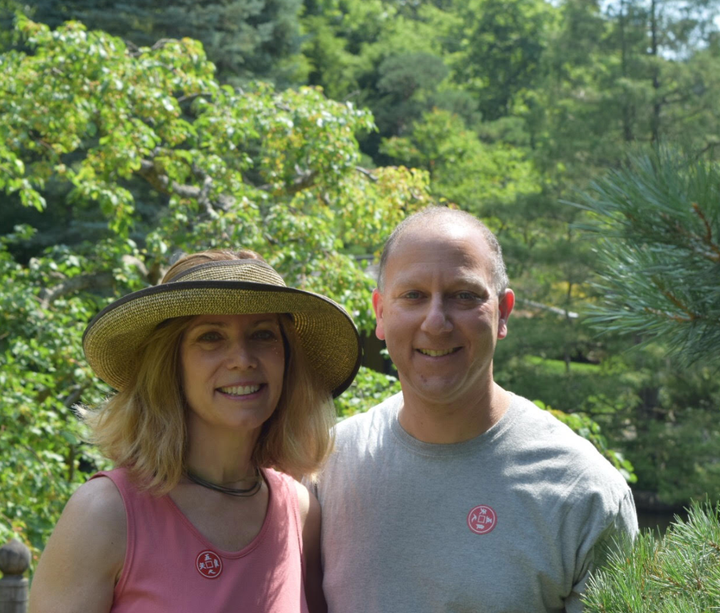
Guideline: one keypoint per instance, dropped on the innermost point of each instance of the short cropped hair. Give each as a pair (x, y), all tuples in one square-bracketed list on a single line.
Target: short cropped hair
[(143, 427), (433, 214)]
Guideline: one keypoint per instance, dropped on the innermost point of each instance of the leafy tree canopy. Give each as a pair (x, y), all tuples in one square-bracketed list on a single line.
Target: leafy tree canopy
[(245, 39), (142, 153), (146, 154)]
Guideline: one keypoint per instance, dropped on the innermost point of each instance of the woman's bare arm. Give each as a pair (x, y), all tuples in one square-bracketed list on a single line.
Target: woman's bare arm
[(310, 518), (84, 556)]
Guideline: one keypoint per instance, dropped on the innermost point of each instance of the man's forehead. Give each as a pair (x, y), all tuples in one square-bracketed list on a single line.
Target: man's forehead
[(461, 276), (443, 241), (463, 255)]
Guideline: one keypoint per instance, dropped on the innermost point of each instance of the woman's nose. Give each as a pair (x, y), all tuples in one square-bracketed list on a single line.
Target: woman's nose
[(240, 355)]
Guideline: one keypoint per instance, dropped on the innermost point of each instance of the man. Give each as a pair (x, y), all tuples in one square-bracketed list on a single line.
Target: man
[(456, 495)]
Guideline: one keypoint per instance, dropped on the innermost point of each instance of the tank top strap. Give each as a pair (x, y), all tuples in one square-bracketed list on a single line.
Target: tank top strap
[(284, 499), (136, 505)]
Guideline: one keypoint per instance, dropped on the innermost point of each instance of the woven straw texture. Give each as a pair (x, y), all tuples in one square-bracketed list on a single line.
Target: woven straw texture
[(327, 333), (253, 271)]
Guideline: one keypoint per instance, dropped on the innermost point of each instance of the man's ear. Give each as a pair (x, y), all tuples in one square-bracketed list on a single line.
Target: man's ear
[(378, 308), (505, 306)]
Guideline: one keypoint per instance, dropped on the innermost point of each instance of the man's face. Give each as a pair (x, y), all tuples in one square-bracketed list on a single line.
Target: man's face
[(439, 313)]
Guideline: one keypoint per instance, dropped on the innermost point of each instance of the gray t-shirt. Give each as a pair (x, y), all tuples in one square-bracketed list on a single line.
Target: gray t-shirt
[(509, 521)]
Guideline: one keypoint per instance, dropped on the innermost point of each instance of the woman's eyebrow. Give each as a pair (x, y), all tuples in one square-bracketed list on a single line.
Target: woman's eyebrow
[(222, 324)]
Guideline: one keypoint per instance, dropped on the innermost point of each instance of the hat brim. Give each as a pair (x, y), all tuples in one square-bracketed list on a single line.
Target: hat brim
[(326, 332)]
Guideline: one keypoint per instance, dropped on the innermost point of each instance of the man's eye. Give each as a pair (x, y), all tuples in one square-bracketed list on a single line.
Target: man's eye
[(466, 296), (412, 295)]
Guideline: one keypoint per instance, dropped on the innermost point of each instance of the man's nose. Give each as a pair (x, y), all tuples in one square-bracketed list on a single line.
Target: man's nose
[(436, 319)]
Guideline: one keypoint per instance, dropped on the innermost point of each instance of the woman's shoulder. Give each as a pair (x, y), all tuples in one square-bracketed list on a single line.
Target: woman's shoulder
[(100, 504), (89, 541), (296, 491)]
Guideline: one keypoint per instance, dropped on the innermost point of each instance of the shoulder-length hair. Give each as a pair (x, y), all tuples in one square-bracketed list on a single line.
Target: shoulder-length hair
[(143, 427)]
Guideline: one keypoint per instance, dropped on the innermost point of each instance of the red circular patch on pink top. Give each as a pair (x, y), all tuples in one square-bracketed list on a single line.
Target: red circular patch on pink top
[(209, 564), (482, 519)]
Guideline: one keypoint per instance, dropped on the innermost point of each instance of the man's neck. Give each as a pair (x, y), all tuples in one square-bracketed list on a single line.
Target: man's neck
[(454, 422)]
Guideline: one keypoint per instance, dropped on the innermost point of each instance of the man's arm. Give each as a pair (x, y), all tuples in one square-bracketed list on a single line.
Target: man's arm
[(620, 532)]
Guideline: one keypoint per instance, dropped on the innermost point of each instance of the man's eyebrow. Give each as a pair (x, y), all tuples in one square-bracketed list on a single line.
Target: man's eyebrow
[(473, 282)]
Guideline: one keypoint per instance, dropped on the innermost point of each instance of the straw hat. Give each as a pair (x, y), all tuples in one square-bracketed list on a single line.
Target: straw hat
[(327, 333)]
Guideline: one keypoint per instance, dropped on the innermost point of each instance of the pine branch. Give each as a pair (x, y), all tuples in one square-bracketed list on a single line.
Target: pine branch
[(679, 573), (658, 259), (708, 232)]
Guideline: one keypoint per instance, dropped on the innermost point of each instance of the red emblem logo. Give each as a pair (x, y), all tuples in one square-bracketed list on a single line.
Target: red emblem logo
[(482, 519), (209, 564)]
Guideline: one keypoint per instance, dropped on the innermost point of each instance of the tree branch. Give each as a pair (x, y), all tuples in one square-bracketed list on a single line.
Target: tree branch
[(367, 173), (691, 316), (95, 281), (708, 232), (161, 182), (100, 280), (305, 179)]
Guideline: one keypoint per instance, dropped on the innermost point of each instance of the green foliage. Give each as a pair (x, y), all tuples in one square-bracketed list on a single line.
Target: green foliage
[(679, 573), (678, 457), (148, 147), (42, 375), (462, 168), (367, 390), (660, 255), (501, 50), (245, 39)]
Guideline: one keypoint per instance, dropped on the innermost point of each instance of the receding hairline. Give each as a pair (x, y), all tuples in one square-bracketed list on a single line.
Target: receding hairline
[(432, 217)]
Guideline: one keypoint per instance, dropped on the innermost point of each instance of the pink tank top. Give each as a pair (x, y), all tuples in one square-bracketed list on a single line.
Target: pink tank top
[(171, 568)]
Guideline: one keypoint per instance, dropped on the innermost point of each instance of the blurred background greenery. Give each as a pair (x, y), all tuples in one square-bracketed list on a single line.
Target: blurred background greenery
[(584, 133)]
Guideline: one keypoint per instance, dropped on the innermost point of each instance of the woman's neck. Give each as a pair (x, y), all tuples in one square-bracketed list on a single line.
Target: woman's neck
[(221, 457)]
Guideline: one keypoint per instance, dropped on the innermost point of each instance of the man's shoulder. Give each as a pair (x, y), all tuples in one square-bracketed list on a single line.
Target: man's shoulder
[(359, 441), (378, 419), (541, 433)]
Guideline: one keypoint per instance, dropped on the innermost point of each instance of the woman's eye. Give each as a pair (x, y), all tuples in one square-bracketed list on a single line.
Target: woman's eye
[(209, 337), (265, 335)]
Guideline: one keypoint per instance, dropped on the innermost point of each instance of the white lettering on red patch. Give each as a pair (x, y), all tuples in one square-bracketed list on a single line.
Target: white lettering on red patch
[(209, 564), (482, 519)]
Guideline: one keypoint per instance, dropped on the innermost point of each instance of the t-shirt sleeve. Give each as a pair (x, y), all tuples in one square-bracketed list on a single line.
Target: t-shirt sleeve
[(621, 530)]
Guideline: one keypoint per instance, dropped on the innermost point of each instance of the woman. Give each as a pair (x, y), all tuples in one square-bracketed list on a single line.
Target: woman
[(224, 377)]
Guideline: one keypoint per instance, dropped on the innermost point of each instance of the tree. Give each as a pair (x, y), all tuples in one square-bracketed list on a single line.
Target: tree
[(676, 574), (245, 39), (659, 218), (145, 147), (142, 153), (462, 169), (501, 53), (660, 221)]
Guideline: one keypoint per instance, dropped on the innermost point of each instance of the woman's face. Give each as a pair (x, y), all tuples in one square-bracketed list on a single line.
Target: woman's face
[(232, 370)]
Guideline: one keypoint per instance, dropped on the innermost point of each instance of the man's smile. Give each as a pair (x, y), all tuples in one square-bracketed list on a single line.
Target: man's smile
[(433, 353)]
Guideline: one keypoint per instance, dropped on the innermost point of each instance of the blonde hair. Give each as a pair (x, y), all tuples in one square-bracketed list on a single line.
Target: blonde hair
[(143, 427)]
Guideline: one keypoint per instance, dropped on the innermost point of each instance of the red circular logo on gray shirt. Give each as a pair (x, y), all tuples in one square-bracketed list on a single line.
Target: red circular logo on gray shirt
[(209, 564), (482, 519)]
